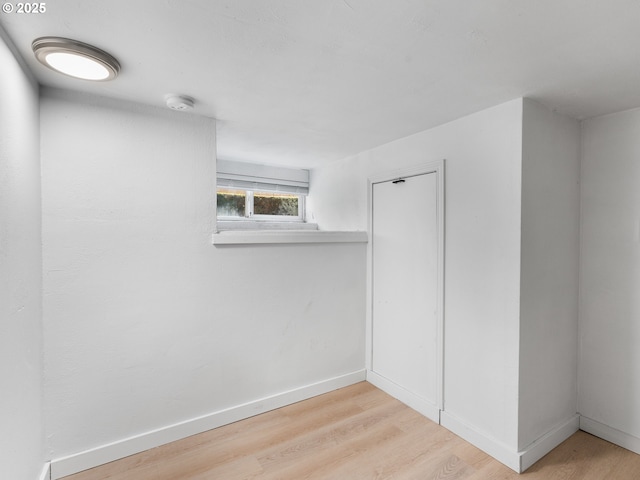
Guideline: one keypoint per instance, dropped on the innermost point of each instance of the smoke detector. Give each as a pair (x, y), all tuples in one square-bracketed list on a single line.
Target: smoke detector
[(181, 103)]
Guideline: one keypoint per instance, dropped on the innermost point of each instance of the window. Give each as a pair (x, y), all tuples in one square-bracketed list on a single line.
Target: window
[(260, 196), (237, 204)]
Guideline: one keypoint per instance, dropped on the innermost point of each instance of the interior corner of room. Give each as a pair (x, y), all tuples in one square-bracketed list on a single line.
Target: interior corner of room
[(513, 228)]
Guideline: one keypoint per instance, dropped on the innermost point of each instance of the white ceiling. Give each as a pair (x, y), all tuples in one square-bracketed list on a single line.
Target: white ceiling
[(301, 82)]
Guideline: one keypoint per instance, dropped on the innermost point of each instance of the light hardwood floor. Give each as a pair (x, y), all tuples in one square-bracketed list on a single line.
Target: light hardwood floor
[(357, 432)]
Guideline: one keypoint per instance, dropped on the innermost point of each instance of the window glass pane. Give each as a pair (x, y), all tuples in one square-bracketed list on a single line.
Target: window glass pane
[(231, 202), (285, 204)]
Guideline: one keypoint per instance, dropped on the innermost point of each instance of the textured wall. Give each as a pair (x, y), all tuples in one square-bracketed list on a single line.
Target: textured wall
[(21, 440), (549, 279), (147, 323), (609, 382)]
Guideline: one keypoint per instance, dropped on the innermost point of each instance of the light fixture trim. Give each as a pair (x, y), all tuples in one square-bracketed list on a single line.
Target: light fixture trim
[(45, 46)]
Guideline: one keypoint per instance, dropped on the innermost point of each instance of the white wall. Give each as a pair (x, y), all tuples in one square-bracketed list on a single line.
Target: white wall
[(147, 323), (549, 276), (21, 426), (609, 380), (482, 252)]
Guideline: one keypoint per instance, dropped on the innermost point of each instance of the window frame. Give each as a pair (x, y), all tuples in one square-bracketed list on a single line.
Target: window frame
[(250, 216)]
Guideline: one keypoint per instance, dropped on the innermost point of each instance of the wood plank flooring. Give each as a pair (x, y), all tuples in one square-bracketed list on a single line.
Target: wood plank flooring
[(357, 432)]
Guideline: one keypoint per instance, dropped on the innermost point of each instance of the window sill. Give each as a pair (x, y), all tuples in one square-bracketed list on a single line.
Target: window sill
[(244, 237), (229, 225)]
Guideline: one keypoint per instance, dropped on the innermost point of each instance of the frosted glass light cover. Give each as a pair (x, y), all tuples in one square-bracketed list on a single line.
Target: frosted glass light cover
[(77, 66)]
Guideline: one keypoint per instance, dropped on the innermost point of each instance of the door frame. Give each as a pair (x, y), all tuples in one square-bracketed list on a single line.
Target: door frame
[(417, 403)]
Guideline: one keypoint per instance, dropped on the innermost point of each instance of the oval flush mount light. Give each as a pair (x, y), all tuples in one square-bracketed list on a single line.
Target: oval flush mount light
[(75, 59)]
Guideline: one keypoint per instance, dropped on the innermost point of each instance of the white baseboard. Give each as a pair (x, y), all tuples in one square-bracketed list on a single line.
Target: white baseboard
[(492, 447), (62, 467), (420, 405), (518, 461), (554, 437), (46, 472), (610, 434)]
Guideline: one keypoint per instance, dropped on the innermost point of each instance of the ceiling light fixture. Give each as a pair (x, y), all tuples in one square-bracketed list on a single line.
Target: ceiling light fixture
[(75, 59)]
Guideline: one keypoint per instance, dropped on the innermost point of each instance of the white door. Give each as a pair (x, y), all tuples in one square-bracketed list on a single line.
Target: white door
[(405, 329)]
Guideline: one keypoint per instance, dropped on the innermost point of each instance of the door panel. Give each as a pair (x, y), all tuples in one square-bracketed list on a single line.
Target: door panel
[(405, 284)]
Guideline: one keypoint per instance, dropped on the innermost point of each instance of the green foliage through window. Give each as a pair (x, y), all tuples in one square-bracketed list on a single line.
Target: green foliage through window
[(243, 203), (231, 203), (275, 204)]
